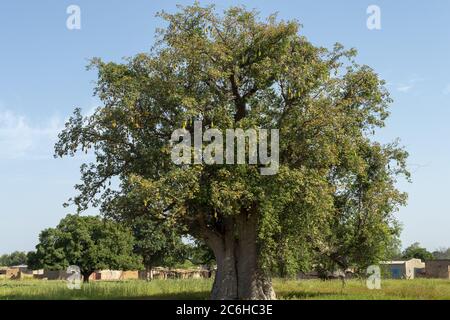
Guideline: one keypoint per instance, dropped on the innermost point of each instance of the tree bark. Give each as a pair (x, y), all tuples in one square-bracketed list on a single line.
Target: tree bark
[(86, 276), (239, 275)]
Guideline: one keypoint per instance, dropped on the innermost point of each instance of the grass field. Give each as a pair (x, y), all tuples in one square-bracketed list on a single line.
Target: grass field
[(199, 289)]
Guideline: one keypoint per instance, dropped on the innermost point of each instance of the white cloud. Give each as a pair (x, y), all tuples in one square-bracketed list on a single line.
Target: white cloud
[(404, 88), (21, 138), (409, 85)]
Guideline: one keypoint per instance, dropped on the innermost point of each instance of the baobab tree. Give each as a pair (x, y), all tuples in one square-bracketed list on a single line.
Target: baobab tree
[(236, 70)]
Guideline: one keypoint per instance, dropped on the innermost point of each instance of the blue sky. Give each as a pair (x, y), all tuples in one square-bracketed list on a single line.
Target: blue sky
[(43, 77)]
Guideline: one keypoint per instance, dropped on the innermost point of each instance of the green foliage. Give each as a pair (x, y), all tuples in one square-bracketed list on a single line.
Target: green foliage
[(198, 253), (14, 259), (334, 198), (158, 244), (443, 253), (416, 251), (87, 242)]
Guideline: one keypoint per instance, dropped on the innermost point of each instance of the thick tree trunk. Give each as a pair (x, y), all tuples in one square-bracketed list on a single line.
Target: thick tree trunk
[(86, 276), (238, 273)]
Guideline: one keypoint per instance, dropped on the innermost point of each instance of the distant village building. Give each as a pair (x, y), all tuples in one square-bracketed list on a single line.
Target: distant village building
[(438, 268), (22, 268), (129, 275), (2, 273), (15, 272), (38, 272), (108, 275), (53, 275), (22, 272), (403, 269)]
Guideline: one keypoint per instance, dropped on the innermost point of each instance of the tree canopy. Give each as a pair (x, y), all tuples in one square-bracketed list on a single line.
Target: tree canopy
[(16, 258), (157, 244), (442, 253), (198, 253), (418, 252), (334, 194), (87, 242)]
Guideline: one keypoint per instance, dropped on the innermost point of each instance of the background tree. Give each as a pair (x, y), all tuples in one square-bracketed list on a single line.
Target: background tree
[(442, 253), (198, 253), (14, 259), (33, 260), (238, 71), (87, 242), (418, 252), (159, 245), (362, 229)]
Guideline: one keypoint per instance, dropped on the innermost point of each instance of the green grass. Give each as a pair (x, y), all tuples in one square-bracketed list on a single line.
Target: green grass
[(199, 289), (158, 289), (418, 289)]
